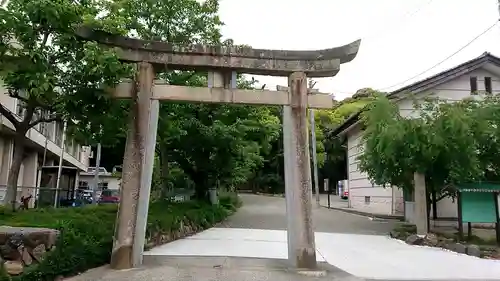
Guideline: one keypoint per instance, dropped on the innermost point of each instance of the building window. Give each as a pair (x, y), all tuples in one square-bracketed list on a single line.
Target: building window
[(20, 108), (77, 153), (473, 85), (367, 200), (58, 136), (83, 184), (20, 105), (103, 185), (487, 84)]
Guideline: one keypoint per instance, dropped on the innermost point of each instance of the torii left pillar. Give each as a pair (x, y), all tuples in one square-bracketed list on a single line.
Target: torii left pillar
[(130, 230)]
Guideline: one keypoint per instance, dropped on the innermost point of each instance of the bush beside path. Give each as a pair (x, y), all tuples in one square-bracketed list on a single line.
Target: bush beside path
[(86, 233)]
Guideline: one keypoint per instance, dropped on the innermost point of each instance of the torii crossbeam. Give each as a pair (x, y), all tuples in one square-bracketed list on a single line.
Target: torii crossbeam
[(222, 64)]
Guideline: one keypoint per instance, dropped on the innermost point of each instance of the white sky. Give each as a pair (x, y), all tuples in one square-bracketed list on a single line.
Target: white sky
[(400, 38)]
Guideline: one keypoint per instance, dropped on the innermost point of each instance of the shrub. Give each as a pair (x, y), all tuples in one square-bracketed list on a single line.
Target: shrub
[(87, 232)]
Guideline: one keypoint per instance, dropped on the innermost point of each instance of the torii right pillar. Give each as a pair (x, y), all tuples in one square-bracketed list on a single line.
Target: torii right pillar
[(298, 187)]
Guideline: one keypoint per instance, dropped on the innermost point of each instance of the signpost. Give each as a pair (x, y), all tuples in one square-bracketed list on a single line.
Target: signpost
[(222, 64), (478, 203)]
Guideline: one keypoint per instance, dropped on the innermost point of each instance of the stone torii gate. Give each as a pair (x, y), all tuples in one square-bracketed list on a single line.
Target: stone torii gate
[(222, 64)]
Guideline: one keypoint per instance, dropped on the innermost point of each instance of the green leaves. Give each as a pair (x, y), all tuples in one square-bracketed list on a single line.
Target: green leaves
[(450, 143), (44, 65)]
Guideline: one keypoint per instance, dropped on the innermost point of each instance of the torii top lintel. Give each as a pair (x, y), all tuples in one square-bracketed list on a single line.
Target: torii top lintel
[(315, 63)]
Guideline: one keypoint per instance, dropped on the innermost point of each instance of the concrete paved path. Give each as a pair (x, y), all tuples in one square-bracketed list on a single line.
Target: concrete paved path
[(251, 245), (366, 256), (211, 269), (265, 212)]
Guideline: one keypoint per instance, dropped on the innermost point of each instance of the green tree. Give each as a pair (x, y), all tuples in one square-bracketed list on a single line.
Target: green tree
[(451, 143), (210, 144), (335, 165), (331, 150), (47, 70)]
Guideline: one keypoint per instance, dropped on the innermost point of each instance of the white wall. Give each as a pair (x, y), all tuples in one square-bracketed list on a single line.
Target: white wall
[(381, 199), (113, 182), (364, 195)]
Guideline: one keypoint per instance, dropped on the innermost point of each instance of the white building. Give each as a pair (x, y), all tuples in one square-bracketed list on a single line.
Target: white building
[(107, 180), (475, 77), (43, 139)]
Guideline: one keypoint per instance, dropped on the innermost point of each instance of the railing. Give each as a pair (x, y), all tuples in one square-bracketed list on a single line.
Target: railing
[(40, 197), (174, 195)]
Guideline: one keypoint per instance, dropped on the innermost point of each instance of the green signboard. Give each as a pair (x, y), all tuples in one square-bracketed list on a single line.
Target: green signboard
[(478, 203), (478, 207)]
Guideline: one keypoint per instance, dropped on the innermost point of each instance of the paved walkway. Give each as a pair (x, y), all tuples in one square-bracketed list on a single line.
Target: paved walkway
[(265, 212), (251, 245)]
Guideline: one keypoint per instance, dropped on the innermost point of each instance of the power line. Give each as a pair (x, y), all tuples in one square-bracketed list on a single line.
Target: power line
[(407, 15), (444, 60)]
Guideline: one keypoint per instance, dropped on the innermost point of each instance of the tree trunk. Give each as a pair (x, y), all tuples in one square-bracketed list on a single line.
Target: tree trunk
[(11, 194), (434, 204), (428, 195), (201, 188), (164, 166)]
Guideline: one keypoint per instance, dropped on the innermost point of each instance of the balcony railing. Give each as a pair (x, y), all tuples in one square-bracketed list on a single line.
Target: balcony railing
[(52, 131)]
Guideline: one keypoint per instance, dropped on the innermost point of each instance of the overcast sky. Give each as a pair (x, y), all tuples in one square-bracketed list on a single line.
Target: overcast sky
[(400, 38)]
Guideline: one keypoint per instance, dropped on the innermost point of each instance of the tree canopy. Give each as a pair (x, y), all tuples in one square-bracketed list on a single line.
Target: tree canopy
[(52, 75), (451, 143)]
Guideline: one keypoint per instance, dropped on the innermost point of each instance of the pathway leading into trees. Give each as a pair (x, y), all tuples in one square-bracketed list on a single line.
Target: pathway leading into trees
[(265, 212)]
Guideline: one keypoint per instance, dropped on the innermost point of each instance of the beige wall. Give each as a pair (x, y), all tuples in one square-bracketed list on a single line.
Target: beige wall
[(363, 194)]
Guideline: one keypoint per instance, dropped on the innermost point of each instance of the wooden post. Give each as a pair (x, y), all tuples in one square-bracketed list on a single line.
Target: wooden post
[(327, 189), (497, 211), (299, 191)]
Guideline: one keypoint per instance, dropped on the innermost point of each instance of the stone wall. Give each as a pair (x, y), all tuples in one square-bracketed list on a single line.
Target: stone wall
[(24, 246)]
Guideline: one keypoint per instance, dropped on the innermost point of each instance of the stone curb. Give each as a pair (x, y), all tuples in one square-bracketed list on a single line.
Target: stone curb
[(263, 194), (271, 195), (366, 214)]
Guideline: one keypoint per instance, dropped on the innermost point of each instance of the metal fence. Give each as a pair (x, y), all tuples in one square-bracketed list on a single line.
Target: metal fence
[(39, 197), (43, 197), (176, 194)]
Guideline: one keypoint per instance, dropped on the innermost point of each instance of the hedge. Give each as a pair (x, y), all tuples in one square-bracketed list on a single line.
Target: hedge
[(87, 232)]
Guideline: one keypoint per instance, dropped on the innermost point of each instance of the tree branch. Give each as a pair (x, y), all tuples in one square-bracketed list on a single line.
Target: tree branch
[(9, 115), (45, 38), (52, 118)]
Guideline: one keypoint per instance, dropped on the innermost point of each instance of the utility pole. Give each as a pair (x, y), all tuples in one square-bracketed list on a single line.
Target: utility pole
[(498, 5), (59, 170), (96, 174), (313, 146)]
